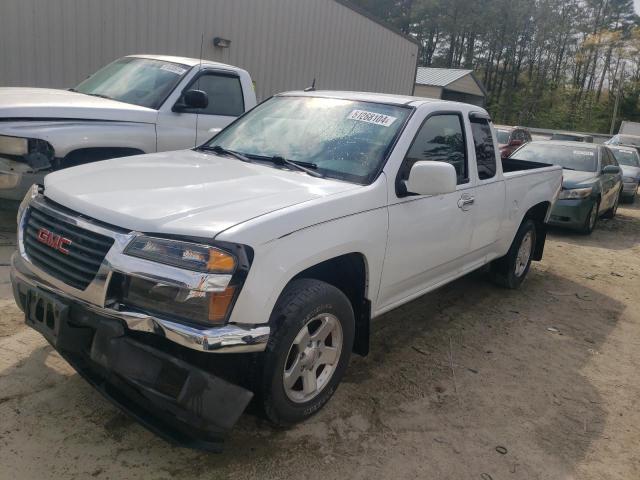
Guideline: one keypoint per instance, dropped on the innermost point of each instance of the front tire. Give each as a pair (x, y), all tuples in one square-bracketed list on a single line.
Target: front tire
[(592, 219), (511, 270), (308, 353)]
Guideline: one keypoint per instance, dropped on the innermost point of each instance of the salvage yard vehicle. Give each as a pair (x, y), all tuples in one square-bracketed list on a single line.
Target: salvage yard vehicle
[(137, 104), (181, 284), (511, 138), (625, 140), (592, 181), (629, 160)]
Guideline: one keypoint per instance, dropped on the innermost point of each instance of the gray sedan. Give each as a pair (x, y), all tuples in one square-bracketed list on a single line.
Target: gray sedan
[(629, 160)]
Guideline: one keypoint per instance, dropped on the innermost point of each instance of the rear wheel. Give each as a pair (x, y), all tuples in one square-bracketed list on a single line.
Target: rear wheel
[(309, 351), (511, 270)]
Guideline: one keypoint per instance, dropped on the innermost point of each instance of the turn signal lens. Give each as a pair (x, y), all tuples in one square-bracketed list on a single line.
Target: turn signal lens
[(219, 304)]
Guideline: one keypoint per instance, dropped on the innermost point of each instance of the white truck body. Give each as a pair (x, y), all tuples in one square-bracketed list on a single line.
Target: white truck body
[(83, 128), (292, 222)]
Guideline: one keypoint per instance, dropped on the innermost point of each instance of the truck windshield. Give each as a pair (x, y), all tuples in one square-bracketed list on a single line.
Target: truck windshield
[(139, 81), (569, 157), (342, 139)]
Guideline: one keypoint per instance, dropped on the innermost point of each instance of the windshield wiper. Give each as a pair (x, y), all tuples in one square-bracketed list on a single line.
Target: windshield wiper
[(223, 151), (305, 167)]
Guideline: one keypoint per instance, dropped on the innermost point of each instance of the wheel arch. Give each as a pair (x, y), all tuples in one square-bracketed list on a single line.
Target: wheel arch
[(539, 214), (349, 273), (83, 155)]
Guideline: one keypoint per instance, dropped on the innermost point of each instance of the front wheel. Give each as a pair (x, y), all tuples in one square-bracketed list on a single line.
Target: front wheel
[(592, 219), (511, 270), (309, 351)]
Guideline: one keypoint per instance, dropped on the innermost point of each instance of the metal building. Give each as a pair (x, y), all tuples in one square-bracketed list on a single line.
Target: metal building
[(284, 44), (450, 84)]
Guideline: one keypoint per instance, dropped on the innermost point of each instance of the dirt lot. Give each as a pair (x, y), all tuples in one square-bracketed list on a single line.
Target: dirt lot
[(549, 372)]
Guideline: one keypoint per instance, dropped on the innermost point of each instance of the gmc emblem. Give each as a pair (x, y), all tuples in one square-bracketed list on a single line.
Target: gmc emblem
[(52, 240)]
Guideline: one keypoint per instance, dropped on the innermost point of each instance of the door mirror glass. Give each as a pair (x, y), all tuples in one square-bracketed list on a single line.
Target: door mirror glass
[(611, 170), (431, 178), (192, 99)]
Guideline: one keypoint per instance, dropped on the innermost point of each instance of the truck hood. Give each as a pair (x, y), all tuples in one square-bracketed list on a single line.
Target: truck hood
[(577, 179), (46, 103), (182, 193)]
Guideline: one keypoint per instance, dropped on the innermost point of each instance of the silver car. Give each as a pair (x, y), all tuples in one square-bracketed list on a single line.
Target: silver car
[(629, 161)]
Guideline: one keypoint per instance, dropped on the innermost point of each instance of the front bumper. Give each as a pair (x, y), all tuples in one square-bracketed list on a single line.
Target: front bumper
[(571, 213), (230, 338), (14, 184), (161, 387)]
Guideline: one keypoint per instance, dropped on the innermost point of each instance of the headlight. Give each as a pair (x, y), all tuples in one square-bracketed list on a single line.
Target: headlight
[(13, 145), (31, 194), (207, 308), (187, 255), (575, 193), (157, 297)]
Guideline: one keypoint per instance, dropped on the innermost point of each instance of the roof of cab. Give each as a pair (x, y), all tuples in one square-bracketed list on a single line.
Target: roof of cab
[(387, 98), (186, 61)]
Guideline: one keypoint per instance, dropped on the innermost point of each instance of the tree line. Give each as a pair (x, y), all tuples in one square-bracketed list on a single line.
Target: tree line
[(545, 63)]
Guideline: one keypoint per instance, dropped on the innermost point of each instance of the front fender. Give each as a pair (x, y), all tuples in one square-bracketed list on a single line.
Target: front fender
[(67, 136), (277, 262)]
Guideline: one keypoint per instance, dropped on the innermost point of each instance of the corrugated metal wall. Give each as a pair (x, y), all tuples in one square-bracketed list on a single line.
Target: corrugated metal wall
[(284, 44)]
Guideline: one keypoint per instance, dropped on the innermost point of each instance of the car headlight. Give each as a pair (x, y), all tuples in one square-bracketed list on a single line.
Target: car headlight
[(197, 306), (13, 145), (187, 255), (575, 193)]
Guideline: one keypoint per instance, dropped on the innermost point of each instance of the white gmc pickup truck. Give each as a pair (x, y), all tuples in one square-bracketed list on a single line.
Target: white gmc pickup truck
[(181, 284), (137, 104)]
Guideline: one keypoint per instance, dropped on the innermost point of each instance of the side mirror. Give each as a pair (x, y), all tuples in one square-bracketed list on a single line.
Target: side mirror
[(192, 99), (431, 178), (611, 170), (515, 143)]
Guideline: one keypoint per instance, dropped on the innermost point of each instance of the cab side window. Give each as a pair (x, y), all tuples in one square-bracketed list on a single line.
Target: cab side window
[(224, 92), (483, 144), (440, 139)]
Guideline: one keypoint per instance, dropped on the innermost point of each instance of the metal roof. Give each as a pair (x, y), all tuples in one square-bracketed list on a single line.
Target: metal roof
[(439, 77)]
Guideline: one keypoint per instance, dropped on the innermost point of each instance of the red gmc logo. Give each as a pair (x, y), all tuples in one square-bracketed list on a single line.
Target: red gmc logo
[(57, 242)]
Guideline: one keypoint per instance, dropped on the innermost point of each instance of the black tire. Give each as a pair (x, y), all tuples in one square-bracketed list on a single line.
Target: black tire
[(592, 219), (301, 302), (507, 271), (611, 213)]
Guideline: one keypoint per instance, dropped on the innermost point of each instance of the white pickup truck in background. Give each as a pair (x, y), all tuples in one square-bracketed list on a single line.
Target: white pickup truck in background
[(181, 284), (137, 104)]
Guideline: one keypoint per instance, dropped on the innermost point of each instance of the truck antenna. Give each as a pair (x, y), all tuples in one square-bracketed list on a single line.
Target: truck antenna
[(312, 88), (195, 140)]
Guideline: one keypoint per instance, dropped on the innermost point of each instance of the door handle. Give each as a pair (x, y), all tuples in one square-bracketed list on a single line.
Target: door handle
[(465, 201)]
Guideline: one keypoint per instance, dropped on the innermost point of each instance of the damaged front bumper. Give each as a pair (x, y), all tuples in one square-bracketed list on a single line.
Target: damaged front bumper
[(163, 387), (16, 178)]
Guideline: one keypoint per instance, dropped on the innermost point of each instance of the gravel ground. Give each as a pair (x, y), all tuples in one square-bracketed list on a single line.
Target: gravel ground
[(470, 381)]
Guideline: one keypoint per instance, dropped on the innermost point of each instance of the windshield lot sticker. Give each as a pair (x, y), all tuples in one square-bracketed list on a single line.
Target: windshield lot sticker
[(173, 69), (372, 117), (586, 153)]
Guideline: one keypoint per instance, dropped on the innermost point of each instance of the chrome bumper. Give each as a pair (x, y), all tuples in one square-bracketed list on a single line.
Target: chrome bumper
[(230, 338), (226, 339)]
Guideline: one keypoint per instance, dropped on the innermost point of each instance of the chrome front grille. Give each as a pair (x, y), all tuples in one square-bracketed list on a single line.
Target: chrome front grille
[(76, 261)]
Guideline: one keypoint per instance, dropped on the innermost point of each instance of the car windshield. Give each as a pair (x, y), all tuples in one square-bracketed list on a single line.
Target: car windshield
[(342, 139), (626, 157), (139, 81), (569, 157), (625, 140), (503, 136)]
